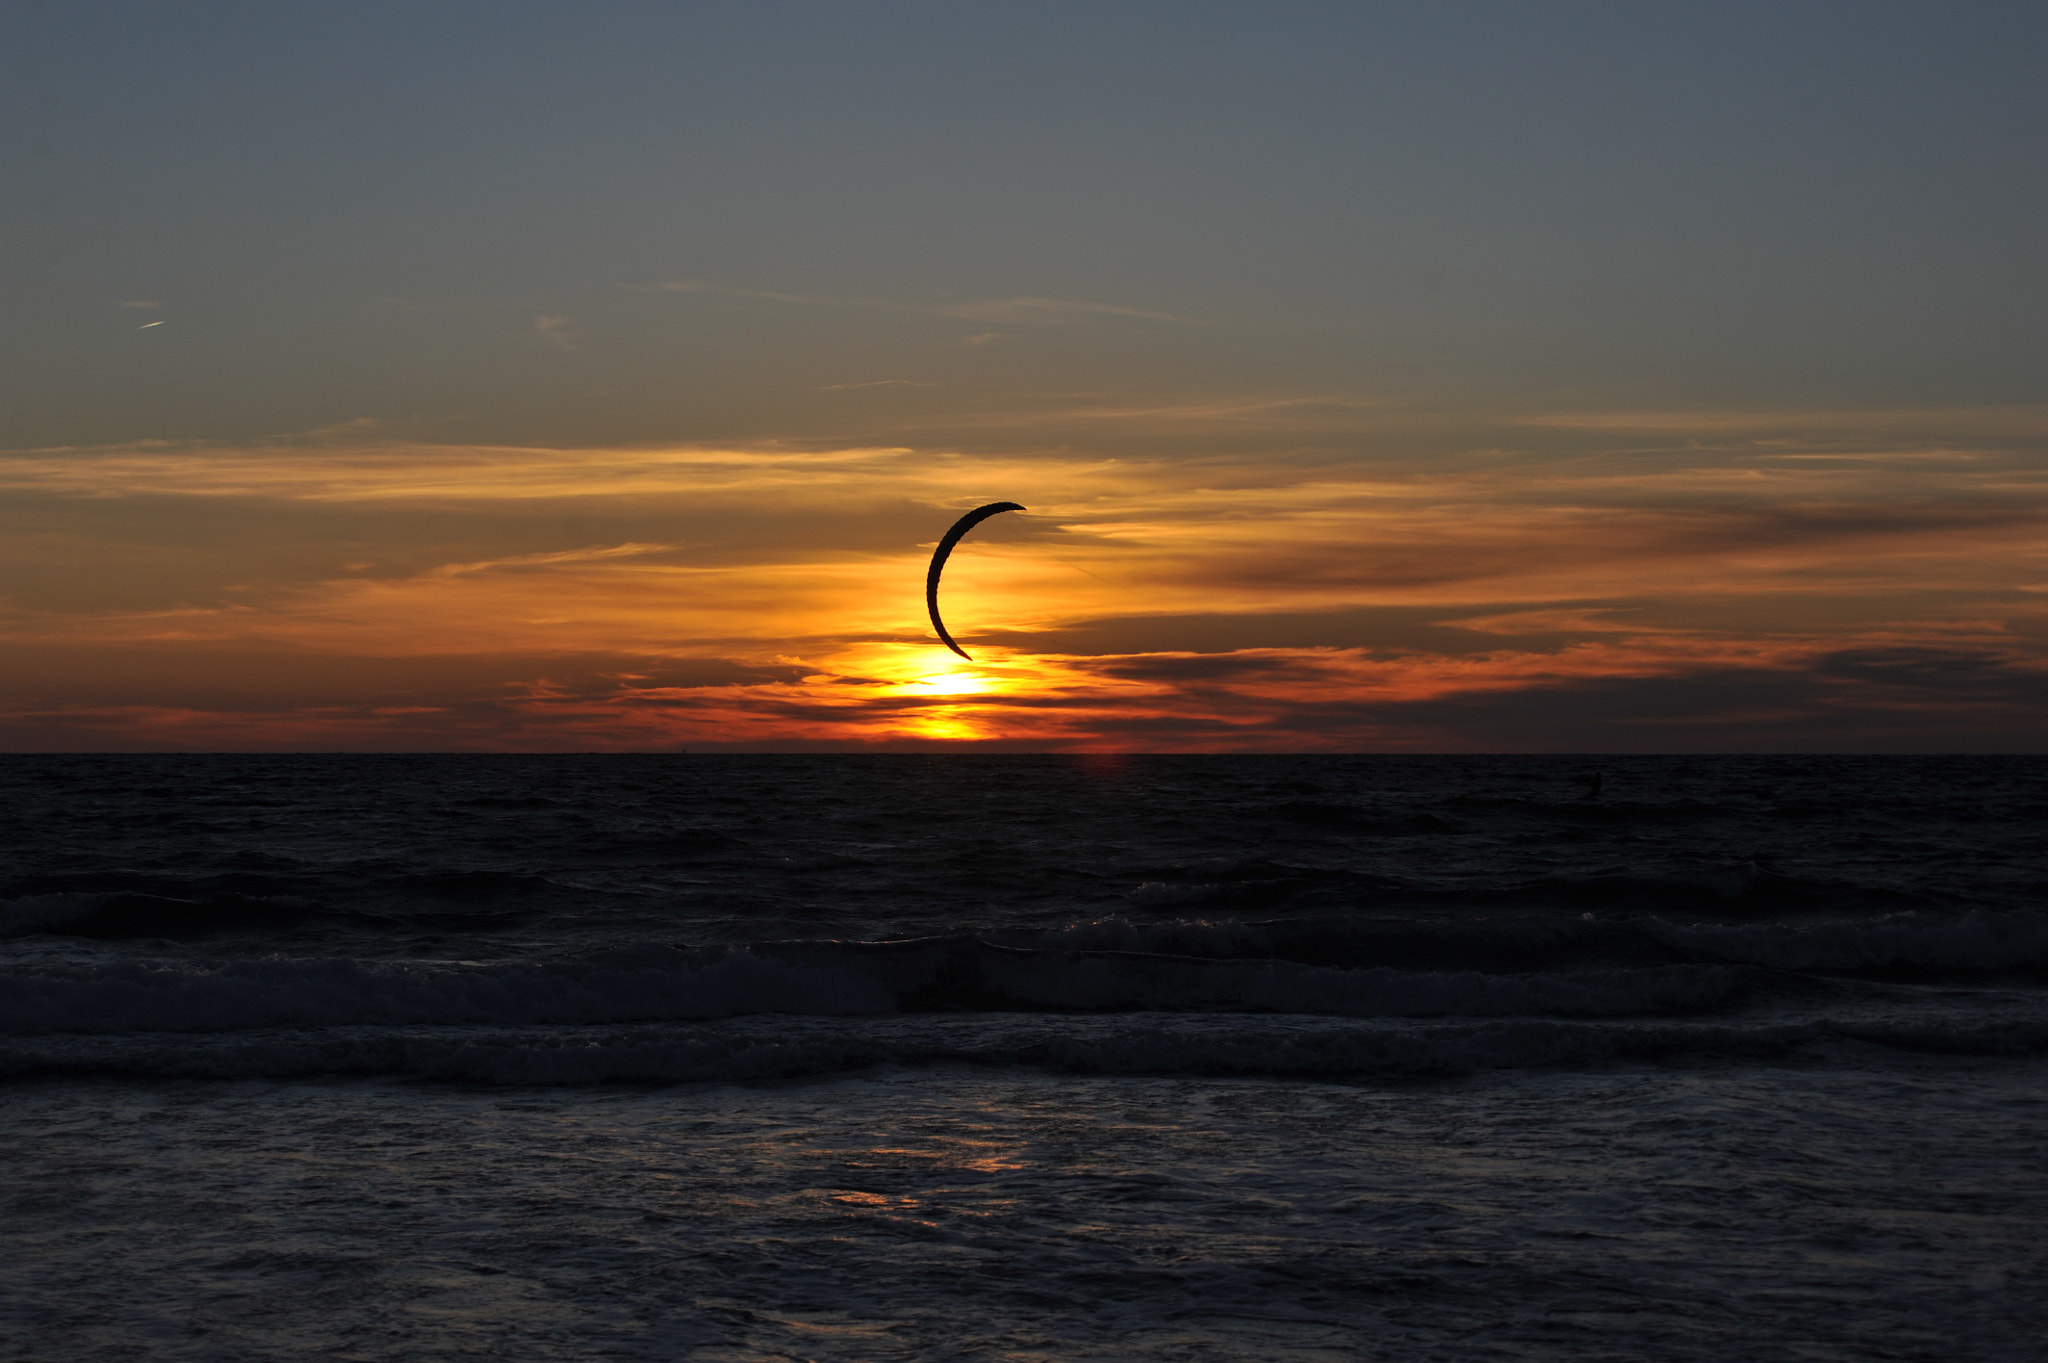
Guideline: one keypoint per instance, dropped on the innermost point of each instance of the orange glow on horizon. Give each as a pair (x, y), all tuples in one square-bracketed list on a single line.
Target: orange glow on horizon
[(705, 597)]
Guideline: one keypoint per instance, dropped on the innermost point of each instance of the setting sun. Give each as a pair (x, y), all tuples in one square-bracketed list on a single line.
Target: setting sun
[(954, 680)]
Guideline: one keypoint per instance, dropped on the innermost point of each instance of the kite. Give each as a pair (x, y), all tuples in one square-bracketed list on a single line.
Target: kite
[(939, 556)]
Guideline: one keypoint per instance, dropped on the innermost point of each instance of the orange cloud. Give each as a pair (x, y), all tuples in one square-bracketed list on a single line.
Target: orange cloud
[(772, 596)]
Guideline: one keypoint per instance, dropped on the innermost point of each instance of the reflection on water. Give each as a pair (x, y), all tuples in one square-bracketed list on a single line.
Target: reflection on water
[(951, 1212)]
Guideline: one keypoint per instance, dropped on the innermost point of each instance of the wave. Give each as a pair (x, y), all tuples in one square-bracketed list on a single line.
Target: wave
[(620, 985), (781, 1048), (1742, 887), (458, 904), (1364, 819), (1580, 968), (827, 978), (1902, 943), (1593, 811), (818, 978), (1745, 888), (281, 896), (122, 913)]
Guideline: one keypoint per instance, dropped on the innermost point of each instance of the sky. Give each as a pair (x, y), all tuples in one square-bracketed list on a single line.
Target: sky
[(1586, 377)]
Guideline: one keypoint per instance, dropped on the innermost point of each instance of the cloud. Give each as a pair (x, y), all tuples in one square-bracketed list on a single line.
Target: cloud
[(1007, 309), (1786, 706), (556, 331), (1683, 593), (1947, 674), (595, 554), (1562, 621), (876, 383), (1020, 308), (1200, 667), (767, 295)]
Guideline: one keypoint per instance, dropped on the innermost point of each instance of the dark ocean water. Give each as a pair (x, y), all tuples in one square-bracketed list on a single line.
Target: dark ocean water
[(1025, 1056), (397, 915)]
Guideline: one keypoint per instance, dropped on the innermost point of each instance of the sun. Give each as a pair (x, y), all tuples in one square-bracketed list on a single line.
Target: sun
[(953, 679)]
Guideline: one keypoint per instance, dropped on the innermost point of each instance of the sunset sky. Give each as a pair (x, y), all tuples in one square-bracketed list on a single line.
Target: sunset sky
[(1379, 377)]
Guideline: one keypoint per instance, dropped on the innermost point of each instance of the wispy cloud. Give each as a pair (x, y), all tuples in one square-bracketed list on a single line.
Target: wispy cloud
[(1021, 308), (554, 330), (1012, 309), (1856, 424), (766, 295), (1561, 621), (594, 554), (1640, 591)]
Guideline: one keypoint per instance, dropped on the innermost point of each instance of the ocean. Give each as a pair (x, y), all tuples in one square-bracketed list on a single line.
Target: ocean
[(714, 1056)]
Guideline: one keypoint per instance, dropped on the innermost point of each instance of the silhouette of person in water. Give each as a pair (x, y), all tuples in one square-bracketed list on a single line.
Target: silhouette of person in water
[(1592, 784)]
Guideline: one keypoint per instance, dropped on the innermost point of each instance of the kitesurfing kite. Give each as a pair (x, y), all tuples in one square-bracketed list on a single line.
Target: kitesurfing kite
[(945, 549)]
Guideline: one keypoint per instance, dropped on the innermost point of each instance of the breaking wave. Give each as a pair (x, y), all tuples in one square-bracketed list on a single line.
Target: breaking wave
[(752, 1049), (1336, 967)]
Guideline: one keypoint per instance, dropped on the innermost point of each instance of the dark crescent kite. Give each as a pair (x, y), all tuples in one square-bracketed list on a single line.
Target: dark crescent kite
[(939, 556)]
